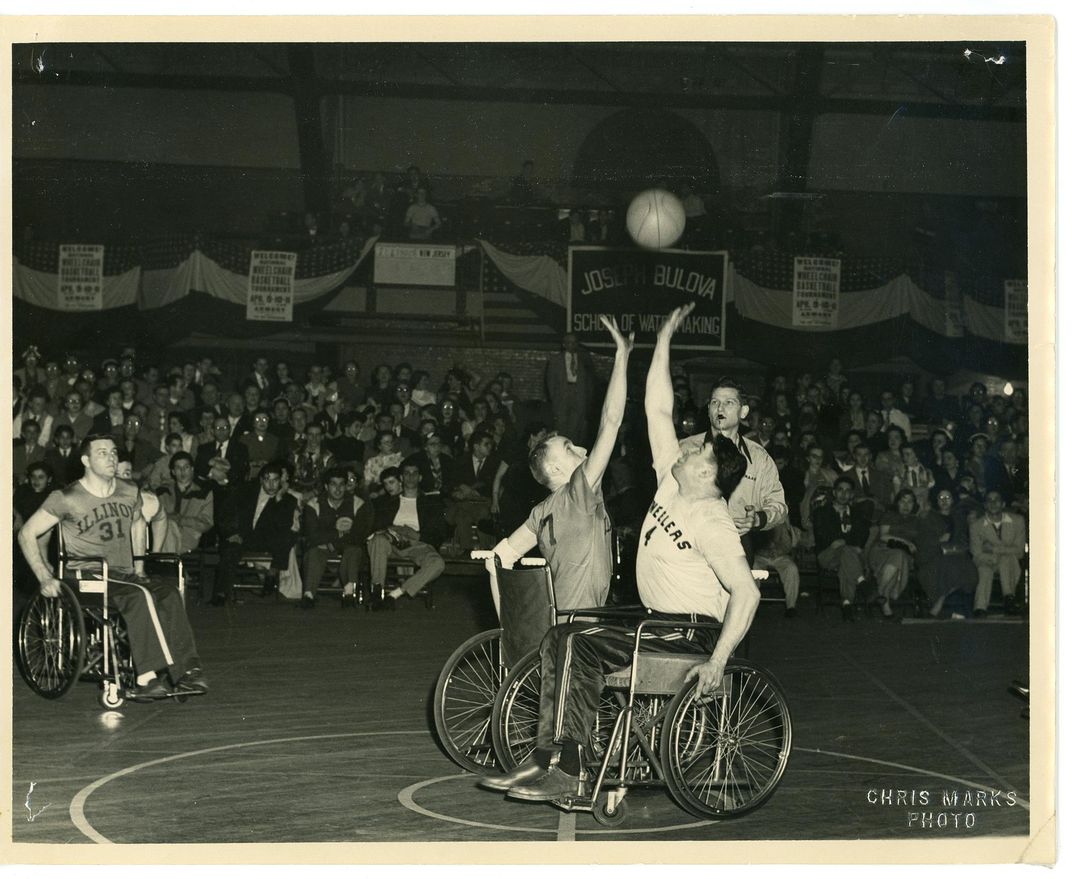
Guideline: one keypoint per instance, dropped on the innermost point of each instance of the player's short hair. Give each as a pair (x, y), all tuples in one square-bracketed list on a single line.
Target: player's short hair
[(731, 464), (332, 473), (846, 480), (538, 460), (388, 473), (84, 446)]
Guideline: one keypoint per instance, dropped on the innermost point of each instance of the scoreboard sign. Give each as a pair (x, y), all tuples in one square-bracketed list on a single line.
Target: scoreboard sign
[(641, 287)]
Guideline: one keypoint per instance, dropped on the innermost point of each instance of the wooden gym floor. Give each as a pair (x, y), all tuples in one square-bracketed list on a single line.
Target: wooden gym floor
[(318, 729)]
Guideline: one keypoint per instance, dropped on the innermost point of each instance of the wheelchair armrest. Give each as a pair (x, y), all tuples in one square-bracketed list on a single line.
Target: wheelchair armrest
[(63, 559), (625, 610)]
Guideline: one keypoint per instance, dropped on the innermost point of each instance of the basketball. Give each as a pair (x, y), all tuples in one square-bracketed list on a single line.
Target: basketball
[(655, 219)]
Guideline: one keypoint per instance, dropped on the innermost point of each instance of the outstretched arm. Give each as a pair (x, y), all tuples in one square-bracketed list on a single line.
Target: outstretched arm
[(613, 406), (658, 392)]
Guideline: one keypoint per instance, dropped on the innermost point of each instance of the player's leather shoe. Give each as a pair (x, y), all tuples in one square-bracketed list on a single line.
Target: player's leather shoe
[(193, 681), (527, 772), (154, 689), (550, 786)]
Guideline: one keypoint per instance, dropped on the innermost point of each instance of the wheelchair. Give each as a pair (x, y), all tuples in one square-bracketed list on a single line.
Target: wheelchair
[(470, 679), (78, 636), (719, 756)]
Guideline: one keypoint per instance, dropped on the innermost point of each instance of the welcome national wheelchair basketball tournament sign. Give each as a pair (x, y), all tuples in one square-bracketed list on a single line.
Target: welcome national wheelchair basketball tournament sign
[(640, 287)]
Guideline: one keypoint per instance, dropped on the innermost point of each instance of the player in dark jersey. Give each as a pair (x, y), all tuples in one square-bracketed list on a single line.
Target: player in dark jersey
[(100, 515), (571, 525)]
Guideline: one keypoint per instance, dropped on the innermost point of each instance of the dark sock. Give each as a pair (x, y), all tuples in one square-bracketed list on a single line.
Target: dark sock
[(544, 757), (569, 761)]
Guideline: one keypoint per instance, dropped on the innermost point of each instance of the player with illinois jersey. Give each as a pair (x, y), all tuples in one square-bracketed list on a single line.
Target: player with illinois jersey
[(100, 515)]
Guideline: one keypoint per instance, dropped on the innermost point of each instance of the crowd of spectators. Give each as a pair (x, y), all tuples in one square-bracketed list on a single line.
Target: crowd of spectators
[(931, 485)]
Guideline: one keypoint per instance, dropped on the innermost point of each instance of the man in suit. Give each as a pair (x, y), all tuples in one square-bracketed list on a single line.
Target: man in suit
[(133, 446), (74, 416), (63, 458), (570, 381), (471, 479), (870, 483), (26, 451), (111, 420), (223, 447), (998, 542), (1004, 473), (407, 525), (334, 522), (843, 535), (258, 517)]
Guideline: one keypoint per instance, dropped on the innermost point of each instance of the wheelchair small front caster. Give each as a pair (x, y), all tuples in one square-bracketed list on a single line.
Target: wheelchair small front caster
[(111, 696), (601, 812)]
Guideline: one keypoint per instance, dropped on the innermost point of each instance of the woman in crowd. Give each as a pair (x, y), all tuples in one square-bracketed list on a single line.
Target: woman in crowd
[(382, 386), (421, 393), (816, 474), (891, 458), (891, 555), (943, 564), (854, 415), (450, 424), (948, 474), (387, 455)]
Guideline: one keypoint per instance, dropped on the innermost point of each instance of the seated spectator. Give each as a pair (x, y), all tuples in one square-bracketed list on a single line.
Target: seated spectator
[(74, 417), (998, 542), (816, 474), (874, 437), (382, 386), (575, 228), (939, 410), (843, 536), (408, 525), (110, 421), (280, 425), (257, 517), (261, 445), (943, 564), (434, 461), (906, 397), (311, 462), (930, 453), (347, 448), (835, 379), (330, 415), (451, 425), (225, 448), (190, 506), (891, 415), (36, 485), (774, 552), (1005, 474), (422, 393), (869, 483), (210, 398), (351, 391), (891, 460), (409, 417), (471, 479), (422, 219), (387, 455), (783, 414), (516, 490), (63, 460), (26, 450), (948, 474), (36, 409), (916, 477), (177, 423), (299, 425), (891, 554), (334, 523), (159, 472), (31, 372)]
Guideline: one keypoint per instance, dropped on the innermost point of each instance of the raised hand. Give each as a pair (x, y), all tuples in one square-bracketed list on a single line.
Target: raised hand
[(623, 344), (675, 319)]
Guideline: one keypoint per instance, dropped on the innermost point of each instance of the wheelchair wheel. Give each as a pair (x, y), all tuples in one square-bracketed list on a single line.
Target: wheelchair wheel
[(464, 696), (51, 643), (723, 755), (516, 713), (515, 720)]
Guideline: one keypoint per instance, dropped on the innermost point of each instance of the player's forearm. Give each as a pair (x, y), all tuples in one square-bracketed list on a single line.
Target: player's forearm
[(614, 403), (658, 392), (740, 610), (32, 553)]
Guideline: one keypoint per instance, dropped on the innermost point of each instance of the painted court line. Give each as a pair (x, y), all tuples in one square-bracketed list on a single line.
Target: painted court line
[(911, 709), (77, 809)]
